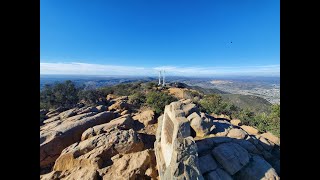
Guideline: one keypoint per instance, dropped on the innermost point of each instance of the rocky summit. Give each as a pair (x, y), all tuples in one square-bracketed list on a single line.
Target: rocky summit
[(113, 142)]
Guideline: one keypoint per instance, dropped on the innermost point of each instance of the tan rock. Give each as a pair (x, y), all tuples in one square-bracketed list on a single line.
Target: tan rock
[(110, 97), (54, 140), (119, 105), (123, 122), (98, 150), (201, 124), (146, 117), (133, 166), (101, 108), (237, 133), (74, 174), (271, 137), (250, 130), (124, 112), (235, 122)]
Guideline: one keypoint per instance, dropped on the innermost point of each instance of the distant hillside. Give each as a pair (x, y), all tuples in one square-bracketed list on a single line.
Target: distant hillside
[(207, 90), (254, 103), (198, 88)]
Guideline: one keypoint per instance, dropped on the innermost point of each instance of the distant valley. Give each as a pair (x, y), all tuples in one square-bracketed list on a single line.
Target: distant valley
[(267, 88)]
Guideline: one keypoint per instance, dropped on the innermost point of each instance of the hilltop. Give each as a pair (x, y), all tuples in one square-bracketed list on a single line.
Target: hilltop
[(120, 132)]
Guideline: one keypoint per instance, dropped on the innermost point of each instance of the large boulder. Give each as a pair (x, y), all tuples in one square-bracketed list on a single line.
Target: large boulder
[(51, 119), (146, 117), (68, 113), (250, 130), (96, 151), (119, 105), (138, 165), (54, 140), (189, 108), (231, 156), (123, 122), (87, 109), (79, 173), (222, 128), (271, 138), (257, 169), (201, 124), (175, 149), (235, 122), (237, 133), (55, 112)]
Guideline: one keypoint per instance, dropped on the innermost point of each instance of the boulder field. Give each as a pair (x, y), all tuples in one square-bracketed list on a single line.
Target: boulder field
[(113, 142)]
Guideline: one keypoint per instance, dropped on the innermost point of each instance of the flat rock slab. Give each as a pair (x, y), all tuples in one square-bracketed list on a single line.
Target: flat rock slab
[(231, 156), (257, 169), (207, 163)]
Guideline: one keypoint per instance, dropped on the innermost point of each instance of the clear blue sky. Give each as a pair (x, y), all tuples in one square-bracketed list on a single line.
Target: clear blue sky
[(153, 33)]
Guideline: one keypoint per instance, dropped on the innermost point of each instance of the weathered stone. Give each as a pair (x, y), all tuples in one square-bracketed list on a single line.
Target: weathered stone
[(175, 149), (123, 122), (271, 138), (202, 125), (235, 122), (231, 156), (101, 108), (87, 110), (119, 105), (265, 144), (258, 168), (237, 133), (218, 174), (53, 141), (190, 108), (49, 120), (110, 97), (146, 117), (204, 145), (98, 150), (139, 165), (207, 163), (250, 130), (79, 173), (247, 145), (68, 113), (222, 128), (220, 140), (124, 112), (55, 111)]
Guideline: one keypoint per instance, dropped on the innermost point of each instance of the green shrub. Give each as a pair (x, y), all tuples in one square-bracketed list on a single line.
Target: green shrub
[(137, 99), (158, 100), (59, 94), (91, 96)]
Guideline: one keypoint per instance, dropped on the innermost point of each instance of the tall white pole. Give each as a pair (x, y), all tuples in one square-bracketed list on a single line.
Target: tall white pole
[(163, 82), (159, 78)]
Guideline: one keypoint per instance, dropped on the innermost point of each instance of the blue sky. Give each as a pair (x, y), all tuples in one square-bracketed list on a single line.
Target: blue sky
[(140, 36)]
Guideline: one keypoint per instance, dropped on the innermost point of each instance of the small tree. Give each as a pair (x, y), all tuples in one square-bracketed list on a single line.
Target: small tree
[(59, 94), (158, 101)]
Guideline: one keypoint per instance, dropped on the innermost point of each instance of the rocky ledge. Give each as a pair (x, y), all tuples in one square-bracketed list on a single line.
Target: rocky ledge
[(111, 142)]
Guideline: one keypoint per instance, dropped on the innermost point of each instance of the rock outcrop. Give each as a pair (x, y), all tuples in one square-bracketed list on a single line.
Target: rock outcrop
[(111, 141), (175, 149), (55, 139), (222, 149)]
